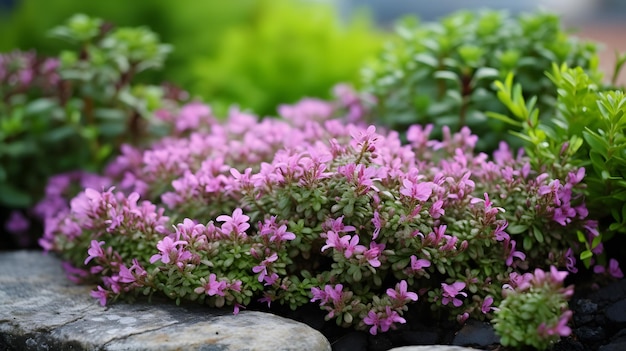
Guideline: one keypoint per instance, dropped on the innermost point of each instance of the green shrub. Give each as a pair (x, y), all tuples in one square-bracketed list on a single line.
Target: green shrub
[(73, 112), (257, 54), (588, 129), (443, 73)]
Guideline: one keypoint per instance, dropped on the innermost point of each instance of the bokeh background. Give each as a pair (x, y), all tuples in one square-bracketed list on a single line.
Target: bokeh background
[(259, 53)]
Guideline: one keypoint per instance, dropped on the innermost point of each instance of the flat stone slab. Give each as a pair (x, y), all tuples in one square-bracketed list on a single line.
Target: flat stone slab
[(41, 310)]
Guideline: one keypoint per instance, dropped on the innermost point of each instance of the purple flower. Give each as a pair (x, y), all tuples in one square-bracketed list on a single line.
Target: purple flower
[(281, 234), (420, 191), (560, 328), (373, 320), (499, 234), (212, 287), (556, 276), (319, 295), (511, 253), (95, 251), (436, 210), (392, 317), (372, 255), (614, 269), (451, 291), (17, 223), (570, 261), (353, 246), (168, 250), (419, 264), (236, 224), (125, 275), (191, 115), (401, 294), (377, 225), (486, 306), (262, 269), (100, 294)]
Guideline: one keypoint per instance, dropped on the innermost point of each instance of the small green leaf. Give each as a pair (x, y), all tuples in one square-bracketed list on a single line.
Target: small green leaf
[(447, 75)]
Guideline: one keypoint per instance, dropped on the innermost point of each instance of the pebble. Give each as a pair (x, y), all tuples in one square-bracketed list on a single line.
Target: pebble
[(616, 312), (476, 333)]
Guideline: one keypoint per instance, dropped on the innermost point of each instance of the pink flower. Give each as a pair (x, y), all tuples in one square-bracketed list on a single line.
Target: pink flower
[(373, 320), (499, 232), (319, 295), (169, 250), (419, 264), (333, 240), (100, 294), (436, 210), (372, 255), (420, 191), (212, 287), (486, 306), (511, 252), (95, 250), (353, 246), (281, 234), (235, 224), (556, 276), (17, 223), (391, 317), (570, 261), (125, 275), (560, 328), (613, 270), (377, 225), (190, 116), (451, 291), (401, 294), (262, 269)]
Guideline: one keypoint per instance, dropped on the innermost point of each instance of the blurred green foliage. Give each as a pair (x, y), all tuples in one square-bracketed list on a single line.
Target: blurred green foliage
[(73, 112), (254, 53), (443, 72)]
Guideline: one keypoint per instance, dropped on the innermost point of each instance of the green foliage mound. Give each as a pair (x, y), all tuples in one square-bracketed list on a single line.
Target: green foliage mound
[(443, 73)]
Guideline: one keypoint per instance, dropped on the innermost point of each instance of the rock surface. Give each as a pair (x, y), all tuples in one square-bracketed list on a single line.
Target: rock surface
[(41, 310)]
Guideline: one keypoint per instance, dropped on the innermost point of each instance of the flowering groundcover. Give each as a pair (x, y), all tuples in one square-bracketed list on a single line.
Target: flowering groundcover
[(318, 207)]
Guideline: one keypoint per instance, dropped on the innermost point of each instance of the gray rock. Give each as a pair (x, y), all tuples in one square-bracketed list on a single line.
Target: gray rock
[(617, 311), (476, 333), (41, 310)]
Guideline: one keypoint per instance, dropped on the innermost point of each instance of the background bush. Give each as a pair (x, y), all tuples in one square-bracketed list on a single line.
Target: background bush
[(257, 54), (443, 72)]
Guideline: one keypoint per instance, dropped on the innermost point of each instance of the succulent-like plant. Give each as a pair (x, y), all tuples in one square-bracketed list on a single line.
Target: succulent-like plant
[(73, 112), (587, 130), (443, 73)]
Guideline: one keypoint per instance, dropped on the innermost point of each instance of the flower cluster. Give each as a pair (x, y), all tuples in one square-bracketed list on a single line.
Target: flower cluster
[(537, 301), (22, 70), (314, 208)]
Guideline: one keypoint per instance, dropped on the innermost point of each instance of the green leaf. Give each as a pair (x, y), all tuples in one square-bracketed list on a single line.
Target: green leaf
[(110, 114), (447, 75), (504, 118), (14, 197), (427, 59), (598, 143), (39, 106), (485, 73)]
